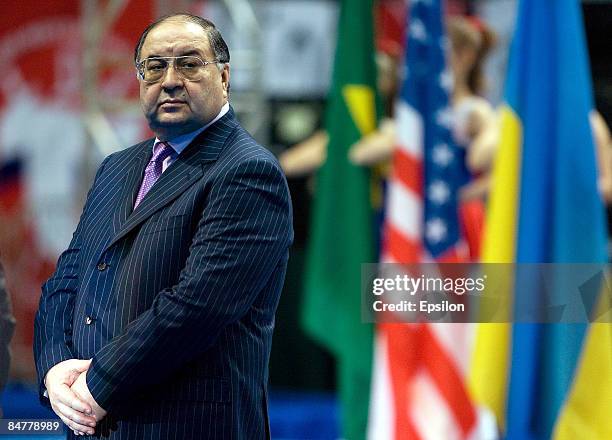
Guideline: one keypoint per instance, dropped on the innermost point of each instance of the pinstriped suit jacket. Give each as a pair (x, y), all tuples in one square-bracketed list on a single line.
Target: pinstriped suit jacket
[(175, 300)]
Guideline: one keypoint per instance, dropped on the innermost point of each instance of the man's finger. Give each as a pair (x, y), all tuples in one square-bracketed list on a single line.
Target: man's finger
[(77, 366), (61, 411), (67, 397), (75, 426), (75, 416)]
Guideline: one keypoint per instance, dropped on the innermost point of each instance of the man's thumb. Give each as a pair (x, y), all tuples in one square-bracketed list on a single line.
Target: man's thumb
[(81, 365)]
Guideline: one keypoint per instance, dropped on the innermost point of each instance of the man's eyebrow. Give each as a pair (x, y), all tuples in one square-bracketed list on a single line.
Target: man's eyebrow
[(187, 52), (190, 52)]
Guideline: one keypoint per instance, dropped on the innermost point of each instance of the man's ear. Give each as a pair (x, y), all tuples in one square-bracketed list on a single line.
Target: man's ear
[(225, 79)]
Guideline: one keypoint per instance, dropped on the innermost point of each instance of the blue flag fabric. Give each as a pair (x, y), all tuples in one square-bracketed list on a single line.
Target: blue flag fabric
[(561, 217)]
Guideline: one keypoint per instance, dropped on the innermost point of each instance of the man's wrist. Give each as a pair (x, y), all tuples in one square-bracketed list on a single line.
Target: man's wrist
[(100, 385)]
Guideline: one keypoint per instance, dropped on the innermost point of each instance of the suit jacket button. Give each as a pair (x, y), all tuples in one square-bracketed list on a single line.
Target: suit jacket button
[(88, 320), (102, 266)]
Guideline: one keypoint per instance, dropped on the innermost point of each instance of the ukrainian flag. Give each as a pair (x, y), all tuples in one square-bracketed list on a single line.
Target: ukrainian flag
[(546, 380)]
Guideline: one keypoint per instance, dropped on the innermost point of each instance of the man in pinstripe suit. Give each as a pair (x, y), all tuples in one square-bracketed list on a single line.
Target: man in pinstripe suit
[(157, 323)]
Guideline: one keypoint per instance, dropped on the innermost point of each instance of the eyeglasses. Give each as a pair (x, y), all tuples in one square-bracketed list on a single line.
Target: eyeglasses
[(190, 68)]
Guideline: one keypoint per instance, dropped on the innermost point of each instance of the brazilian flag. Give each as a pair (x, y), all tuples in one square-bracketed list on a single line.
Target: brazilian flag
[(342, 233)]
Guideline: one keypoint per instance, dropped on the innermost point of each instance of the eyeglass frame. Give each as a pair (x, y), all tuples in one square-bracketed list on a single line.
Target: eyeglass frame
[(140, 67)]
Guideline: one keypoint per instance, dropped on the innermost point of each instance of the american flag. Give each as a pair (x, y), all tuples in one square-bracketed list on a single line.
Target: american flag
[(419, 369)]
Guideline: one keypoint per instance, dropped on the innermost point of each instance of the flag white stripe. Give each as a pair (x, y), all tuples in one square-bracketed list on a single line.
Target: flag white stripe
[(454, 338), (430, 414), (404, 210), (382, 412), (409, 130)]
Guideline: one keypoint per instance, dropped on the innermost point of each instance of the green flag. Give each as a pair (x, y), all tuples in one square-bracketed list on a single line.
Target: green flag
[(342, 233)]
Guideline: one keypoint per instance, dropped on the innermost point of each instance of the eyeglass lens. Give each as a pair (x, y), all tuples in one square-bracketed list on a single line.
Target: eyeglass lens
[(189, 67)]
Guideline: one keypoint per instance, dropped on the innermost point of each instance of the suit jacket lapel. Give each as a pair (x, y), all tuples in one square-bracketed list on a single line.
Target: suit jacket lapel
[(184, 171), (131, 185)]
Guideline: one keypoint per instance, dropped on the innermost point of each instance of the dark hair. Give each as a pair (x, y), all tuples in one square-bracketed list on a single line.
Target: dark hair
[(471, 32), (218, 45)]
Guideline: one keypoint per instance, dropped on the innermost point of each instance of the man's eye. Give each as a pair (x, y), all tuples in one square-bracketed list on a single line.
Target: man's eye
[(156, 65), (188, 65)]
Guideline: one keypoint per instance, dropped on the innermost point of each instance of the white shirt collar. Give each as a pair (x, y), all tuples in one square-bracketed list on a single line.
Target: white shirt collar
[(179, 143)]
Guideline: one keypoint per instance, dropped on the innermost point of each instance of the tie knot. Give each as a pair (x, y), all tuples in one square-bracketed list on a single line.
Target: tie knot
[(161, 151)]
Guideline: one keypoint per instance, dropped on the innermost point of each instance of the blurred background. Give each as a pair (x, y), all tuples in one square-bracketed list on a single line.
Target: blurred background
[(69, 97)]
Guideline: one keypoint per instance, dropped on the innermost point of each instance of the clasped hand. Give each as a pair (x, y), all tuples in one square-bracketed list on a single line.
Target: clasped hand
[(70, 397)]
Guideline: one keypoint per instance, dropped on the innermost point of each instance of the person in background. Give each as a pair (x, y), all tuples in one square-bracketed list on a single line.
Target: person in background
[(7, 325), (603, 145), (475, 124), (475, 128), (304, 158)]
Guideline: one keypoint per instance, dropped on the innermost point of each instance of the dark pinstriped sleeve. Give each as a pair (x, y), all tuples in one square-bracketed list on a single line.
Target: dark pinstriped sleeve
[(244, 232), (53, 323)]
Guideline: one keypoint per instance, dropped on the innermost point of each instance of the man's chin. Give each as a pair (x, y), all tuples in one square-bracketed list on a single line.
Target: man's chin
[(171, 120), (170, 127)]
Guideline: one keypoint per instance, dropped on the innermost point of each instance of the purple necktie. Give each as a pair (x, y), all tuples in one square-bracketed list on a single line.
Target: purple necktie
[(153, 170)]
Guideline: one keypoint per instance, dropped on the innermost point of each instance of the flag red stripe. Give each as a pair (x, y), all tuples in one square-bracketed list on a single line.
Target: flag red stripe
[(449, 382), (403, 354), (408, 170), (453, 255), (400, 247)]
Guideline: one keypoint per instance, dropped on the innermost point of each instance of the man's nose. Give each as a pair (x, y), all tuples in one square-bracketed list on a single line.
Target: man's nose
[(171, 78)]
